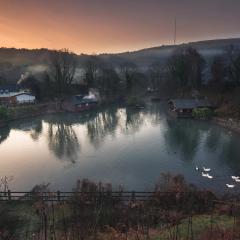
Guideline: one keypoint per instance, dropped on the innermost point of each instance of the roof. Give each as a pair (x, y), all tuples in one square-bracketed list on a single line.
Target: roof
[(79, 99), (190, 103), (13, 94)]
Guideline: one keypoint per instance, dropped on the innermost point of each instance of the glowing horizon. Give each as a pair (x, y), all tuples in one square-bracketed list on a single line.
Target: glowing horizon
[(112, 26)]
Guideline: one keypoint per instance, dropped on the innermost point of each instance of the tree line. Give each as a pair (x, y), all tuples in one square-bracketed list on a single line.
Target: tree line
[(184, 71)]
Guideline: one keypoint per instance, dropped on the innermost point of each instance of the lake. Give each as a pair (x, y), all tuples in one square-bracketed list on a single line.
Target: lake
[(116, 145)]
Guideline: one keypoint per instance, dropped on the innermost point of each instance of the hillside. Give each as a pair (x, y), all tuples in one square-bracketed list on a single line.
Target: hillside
[(14, 62)]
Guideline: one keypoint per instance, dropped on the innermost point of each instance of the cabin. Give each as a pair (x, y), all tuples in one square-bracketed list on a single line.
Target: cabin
[(184, 107), (85, 104), (82, 103), (16, 98)]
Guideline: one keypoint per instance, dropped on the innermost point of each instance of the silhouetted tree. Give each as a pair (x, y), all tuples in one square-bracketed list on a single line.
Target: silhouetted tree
[(63, 68), (90, 68), (109, 83), (128, 70), (232, 56), (185, 68), (218, 71)]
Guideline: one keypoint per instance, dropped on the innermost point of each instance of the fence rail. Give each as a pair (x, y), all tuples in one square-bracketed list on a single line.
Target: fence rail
[(63, 196)]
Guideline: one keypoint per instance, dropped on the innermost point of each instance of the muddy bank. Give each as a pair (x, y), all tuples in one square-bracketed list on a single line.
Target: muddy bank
[(229, 123), (28, 111)]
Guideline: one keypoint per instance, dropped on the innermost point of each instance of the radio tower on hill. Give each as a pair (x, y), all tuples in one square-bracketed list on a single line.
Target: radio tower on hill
[(175, 31)]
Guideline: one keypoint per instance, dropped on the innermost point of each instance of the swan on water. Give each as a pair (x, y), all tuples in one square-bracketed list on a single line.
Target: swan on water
[(205, 174), (230, 185), (196, 168), (206, 169), (235, 177)]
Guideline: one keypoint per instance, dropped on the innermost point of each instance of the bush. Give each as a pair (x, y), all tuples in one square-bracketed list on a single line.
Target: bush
[(3, 113), (202, 113)]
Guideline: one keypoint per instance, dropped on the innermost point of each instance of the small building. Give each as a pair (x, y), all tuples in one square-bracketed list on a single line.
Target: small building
[(184, 107), (16, 98), (86, 104), (78, 103)]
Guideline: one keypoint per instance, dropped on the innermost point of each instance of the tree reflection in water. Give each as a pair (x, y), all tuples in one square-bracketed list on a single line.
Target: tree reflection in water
[(103, 124), (36, 132), (230, 152), (213, 139), (4, 133), (134, 119), (184, 137), (63, 141)]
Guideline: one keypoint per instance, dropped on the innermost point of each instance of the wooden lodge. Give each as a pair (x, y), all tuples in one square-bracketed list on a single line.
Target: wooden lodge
[(18, 98), (79, 103), (183, 108)]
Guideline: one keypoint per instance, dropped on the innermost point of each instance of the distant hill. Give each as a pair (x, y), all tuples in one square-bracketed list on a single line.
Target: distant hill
[(14, 62), (145, 57)]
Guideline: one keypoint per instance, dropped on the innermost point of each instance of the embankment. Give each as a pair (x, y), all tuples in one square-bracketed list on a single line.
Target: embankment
[(28, 111), (229, 123)]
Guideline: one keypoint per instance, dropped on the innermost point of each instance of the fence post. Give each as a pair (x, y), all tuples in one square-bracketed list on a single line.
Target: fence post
[(9, 195), (58, 195), (133, 196)]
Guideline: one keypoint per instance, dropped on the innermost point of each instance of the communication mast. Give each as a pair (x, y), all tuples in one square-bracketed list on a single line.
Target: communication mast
[(175, 31)]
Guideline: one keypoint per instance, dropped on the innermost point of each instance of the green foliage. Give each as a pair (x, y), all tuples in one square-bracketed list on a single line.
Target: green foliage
[(202, 113), (3, 113)]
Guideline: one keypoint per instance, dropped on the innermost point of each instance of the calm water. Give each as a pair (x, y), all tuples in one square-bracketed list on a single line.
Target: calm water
[(116, 145)]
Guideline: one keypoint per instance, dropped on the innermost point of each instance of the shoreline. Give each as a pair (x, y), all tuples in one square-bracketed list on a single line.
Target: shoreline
[(30, 111), (44, 109), (228, 123)]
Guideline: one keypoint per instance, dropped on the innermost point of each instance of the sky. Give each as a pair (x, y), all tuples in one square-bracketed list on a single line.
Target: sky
[(111, 26)]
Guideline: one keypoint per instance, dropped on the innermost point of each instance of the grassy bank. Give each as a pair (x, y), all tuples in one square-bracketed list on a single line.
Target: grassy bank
[(95, 212)]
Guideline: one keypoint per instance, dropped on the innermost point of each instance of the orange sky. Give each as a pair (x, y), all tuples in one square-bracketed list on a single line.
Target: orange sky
[(96, 26)]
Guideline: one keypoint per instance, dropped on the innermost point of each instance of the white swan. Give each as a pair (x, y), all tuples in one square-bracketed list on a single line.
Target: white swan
[(196, 168), (211, 177), (237, 180), (230, 186), (235, 177), (205, 174), (206, 169)]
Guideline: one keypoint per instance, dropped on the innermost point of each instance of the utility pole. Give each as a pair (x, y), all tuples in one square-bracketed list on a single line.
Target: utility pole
[(175, 30)]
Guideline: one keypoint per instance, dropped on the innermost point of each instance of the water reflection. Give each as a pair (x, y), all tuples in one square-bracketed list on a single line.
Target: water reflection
[(133, 121), (121, 143), (102, 125), (4, 133), (36, 131), (183, 137), (63, 140), (230, 152), (213, 139)]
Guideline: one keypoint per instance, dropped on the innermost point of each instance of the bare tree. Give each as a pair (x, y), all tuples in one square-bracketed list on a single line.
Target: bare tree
[(185, 68), (90, 71), (128, 70), (63, 66)]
